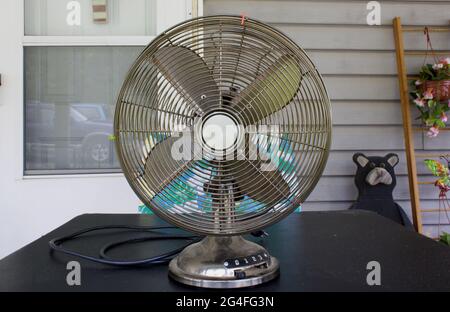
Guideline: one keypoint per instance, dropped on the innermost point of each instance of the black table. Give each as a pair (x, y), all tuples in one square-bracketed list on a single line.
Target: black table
[(318, 251)]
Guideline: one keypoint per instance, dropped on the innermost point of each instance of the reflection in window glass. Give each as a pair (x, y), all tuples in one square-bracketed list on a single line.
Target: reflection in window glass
[(90, 17), (70, 95)]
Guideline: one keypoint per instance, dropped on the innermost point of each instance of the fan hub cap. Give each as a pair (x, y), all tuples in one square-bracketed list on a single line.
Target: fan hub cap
[(220, 133)]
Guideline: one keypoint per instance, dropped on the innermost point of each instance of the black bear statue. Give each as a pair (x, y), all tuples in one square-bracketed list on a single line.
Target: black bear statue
[(375, 180)]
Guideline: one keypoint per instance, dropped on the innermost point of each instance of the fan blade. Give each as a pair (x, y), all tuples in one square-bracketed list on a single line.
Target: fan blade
[(268, 187), (188, 74), (262, 97), (161, 168)]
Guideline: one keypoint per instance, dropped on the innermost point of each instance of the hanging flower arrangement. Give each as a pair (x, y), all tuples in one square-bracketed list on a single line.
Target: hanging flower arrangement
[(431, 95), (442, 172)]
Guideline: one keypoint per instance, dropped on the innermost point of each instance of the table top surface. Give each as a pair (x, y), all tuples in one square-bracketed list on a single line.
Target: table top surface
[(318, 251)]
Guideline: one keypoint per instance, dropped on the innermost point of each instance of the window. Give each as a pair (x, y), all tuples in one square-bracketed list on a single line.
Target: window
[(76, 55), (69, 106), (90, 17)]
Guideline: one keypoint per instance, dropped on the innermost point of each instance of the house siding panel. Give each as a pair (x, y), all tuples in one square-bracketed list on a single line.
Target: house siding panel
[(359, 69)]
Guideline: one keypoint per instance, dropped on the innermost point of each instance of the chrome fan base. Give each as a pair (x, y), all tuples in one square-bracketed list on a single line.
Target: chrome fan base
[(224, 262)]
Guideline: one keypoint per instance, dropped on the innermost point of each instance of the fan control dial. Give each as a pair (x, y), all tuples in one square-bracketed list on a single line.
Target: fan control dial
[(255, 259)]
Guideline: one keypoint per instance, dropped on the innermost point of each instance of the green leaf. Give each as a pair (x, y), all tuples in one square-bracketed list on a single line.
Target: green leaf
[(440, 123), (445, 238), (428, 71), (431, 164), (446, 180), (430, 121)]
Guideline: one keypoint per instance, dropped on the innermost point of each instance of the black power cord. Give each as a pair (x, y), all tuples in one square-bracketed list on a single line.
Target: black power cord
[(56, 244)]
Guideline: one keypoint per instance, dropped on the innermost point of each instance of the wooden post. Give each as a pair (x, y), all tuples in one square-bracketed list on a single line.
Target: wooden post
[(407, 125)]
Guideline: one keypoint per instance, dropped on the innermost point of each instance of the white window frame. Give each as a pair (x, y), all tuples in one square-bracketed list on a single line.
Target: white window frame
[(193, 8)]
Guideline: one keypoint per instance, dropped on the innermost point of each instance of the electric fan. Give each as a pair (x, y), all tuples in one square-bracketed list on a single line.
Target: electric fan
[(222, 128)]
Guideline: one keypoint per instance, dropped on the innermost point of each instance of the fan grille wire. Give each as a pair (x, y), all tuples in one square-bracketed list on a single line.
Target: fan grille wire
[(233, 71)]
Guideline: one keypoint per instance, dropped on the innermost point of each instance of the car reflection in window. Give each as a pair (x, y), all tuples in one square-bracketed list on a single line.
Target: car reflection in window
[(68, 136)]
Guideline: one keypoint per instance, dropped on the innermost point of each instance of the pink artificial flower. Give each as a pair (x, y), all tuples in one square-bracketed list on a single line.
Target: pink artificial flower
[(418, 82), (428, 95), (444, 117), (433, 132), (419, 102), (438, 66)]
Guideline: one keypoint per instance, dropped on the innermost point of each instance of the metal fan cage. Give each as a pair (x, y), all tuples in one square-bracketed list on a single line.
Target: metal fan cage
[(169, 89)]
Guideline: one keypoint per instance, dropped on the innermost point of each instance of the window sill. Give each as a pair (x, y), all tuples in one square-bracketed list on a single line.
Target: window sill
[(86, 40), (71, 176)]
